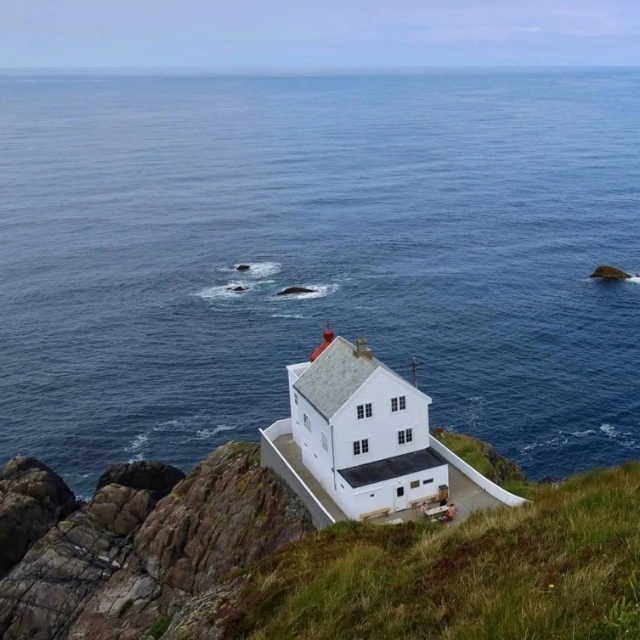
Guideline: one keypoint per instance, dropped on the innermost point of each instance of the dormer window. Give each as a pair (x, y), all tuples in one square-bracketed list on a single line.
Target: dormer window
[(365, 411), (399, 404)]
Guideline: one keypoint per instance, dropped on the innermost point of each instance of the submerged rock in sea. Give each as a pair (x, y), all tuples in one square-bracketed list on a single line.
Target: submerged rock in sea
[(243, 267), (238, 289), (33, 498), (293, 290), (153, 476), (605, 272)]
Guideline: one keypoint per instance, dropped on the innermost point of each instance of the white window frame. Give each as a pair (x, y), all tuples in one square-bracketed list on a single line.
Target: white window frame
[(368, 410), (360, 411), (307, 422), (360, 447), (398, 403), (405, 436), (295, 398)]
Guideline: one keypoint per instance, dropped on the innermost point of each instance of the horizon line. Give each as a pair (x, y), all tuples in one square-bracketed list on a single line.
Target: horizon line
[(311, 71)]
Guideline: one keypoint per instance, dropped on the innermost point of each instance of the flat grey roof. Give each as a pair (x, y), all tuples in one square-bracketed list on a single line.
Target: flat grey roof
[(389, 468)]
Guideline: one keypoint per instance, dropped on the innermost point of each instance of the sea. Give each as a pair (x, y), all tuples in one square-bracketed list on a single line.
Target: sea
[(450, 216)]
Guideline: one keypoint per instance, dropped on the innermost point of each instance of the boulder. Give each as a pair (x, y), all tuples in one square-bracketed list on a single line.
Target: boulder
[(604, 272), (156, 477), (227, 514), (44, 594), (238, 289), (293, 290), (243, 267), (33, 499)]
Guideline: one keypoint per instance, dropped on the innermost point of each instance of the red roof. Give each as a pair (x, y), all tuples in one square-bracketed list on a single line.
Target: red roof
[(328, 339)]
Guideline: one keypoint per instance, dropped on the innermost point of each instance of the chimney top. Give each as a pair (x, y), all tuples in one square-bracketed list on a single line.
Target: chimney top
[(328, 339), (362, 349)]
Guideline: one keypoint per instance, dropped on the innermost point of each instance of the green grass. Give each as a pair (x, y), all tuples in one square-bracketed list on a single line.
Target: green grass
[(159, 627), (561, 567)]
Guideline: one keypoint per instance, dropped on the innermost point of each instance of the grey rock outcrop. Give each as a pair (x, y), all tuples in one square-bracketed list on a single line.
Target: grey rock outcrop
[(43, 595), (228, 513), (32, 500), (605, 272), (157, 477), (243, 267)]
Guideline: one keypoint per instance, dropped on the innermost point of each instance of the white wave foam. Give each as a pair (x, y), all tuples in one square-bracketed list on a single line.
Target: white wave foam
[(582, 434), (297, 316), (319, 291), (634, 279), (224, 291), (138, 442), (205, 434), (256, 269), (608, 429)]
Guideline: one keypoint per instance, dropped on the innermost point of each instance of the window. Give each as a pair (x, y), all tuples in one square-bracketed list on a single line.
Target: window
[(307, 422), (415, 484), (295, 398), (405, 436), (427, 481), (403, 402), (400, 492), (360, 446), (365, 411), (394, 404), (325, 444), (399, 404)]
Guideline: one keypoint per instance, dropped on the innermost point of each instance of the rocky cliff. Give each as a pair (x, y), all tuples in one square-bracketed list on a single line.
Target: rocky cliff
[(128, 562)]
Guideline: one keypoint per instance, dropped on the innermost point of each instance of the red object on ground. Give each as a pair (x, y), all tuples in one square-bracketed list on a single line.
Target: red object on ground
[(328, 339)]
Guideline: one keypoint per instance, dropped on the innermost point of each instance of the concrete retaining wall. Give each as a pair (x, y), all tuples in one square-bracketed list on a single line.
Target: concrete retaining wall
[(270, 457), (490, 487)]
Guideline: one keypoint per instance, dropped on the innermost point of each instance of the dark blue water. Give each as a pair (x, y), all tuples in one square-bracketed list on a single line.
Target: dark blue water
[(454, 217)]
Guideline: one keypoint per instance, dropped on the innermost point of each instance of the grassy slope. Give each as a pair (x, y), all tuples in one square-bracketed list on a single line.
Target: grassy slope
[(559, 567), (471, 451)]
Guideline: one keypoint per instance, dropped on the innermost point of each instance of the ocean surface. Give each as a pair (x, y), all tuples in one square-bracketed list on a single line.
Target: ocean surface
[(454, 217)]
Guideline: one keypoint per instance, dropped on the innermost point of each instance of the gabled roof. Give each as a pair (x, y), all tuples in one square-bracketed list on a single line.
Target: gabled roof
[(334, 377)]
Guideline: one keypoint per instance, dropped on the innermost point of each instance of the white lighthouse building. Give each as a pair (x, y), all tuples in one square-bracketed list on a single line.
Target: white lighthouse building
[(363, 431)]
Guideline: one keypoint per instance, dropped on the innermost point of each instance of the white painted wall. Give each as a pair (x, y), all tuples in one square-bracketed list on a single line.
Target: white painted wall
[(490, 487), (294, 371), (382, 428), (357, 502)]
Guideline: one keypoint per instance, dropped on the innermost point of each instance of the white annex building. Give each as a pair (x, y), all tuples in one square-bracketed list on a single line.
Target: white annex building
[(363, 431)]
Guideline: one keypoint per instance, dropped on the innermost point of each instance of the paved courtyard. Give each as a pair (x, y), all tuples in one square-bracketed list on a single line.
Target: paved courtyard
[(465, 494)]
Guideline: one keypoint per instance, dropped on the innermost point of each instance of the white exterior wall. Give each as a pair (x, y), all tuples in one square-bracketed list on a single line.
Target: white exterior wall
[(382, 428), (294, 371), (314, 457), (357, 502)]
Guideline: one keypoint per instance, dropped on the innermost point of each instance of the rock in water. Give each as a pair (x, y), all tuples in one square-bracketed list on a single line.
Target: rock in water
[(32, 500), (293, 290), (604, 272), (238, 289), (156, 477), (243, 267)]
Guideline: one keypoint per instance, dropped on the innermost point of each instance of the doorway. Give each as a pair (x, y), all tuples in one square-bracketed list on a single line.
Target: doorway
[(400, 497)]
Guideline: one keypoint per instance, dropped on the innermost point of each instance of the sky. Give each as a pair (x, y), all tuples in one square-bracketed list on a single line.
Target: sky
[(317, 35)]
